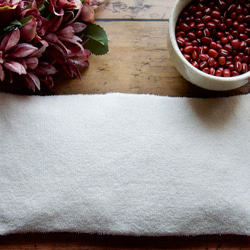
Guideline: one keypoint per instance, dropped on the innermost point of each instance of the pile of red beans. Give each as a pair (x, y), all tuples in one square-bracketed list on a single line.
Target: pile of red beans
[(214, 36)]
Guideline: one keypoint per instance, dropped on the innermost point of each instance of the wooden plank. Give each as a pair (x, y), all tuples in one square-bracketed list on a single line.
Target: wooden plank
[(135, 9), (138, 62)]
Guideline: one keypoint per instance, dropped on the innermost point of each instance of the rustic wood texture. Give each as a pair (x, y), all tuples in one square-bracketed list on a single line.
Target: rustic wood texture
[(136, 9), (138, 62)]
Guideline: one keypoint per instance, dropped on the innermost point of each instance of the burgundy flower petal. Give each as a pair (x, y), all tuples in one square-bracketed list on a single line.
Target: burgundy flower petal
[(71, 43), (58, 7), (23, 50), (22, 61), (39, 52), (31, 62), (2, 74), (67, 32), (78, 27), (28, 31), (88, 14), (55, 23), (10, 40), (51, 37), (54, 9), (82, 59), (1, 57), (15, 67), (44, 68), (29, 83), (35, 80)]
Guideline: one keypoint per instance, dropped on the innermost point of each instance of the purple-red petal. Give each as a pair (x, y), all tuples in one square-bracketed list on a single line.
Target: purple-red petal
[(78, 26), (23, 50), (67, 32), (44, 68), (28, 31), (31, 62), (35, 80), (10, 40), (15, 67), (2, 74)]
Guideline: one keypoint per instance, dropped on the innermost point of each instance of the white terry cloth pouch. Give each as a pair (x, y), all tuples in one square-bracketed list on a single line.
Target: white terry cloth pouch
[(125, 164)]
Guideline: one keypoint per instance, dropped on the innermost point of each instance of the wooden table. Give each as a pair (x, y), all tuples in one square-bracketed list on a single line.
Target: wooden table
[(138, 62)]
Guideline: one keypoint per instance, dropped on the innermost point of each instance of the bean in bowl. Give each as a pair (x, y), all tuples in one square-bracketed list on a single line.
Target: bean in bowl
[(214, 36)]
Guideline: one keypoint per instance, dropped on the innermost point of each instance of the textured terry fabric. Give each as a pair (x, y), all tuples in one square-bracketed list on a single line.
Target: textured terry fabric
[(125, 164)]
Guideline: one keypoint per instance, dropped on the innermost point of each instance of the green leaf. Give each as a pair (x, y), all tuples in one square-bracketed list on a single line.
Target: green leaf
[(97, 41), (25, 20), (14, 24)]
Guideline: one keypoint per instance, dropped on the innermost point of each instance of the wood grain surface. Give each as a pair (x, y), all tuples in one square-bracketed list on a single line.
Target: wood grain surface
[(138, 62)]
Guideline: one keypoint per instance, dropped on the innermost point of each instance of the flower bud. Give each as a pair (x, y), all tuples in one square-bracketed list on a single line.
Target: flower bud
[(28, 31), (88, 14)]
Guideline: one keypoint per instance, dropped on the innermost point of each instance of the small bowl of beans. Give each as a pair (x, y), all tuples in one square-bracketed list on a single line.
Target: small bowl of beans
[(209, 42)]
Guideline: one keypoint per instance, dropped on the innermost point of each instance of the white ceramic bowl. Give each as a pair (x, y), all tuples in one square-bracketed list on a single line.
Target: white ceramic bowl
[(188, 71)]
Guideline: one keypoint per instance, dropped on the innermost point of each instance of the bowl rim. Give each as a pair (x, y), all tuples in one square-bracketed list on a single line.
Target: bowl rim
[(172, 23)]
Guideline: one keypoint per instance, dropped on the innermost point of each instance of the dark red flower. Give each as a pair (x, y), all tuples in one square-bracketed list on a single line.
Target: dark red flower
[(65, 48), (9, 10), (36, 27), (58, 7)]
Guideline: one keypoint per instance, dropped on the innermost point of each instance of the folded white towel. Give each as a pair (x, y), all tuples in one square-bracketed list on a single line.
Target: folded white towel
[(125, 164)]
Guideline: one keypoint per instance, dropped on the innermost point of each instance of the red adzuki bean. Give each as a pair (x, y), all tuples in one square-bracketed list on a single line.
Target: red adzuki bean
[(244, 68), (206, 18), (237, 59), (231, 66), (212, 71), (191, 35), (195, 64), (188, 49), (231, 8), (229, 48), (213, 53), (203, 65), (235, 43), (224, 40), (207, 10), (211, 25), (226, 73), (219, 72), (245, 59), (222, 60), (220, 34), (238, 66), (206, 32), (203, 57), (180, 41), (215, 14), (187, 56), (195, 55), (206, 70), (200, 26), (184, 26), (223, 52), (211, 62), (214, 36), (234, 73), (206, 40), (242, 46), (240, 18)]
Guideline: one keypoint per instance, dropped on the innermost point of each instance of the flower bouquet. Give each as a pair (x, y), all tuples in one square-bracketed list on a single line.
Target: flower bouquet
[(40, 38)]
